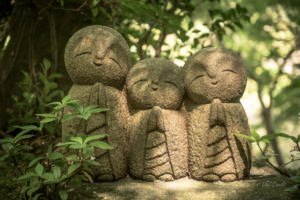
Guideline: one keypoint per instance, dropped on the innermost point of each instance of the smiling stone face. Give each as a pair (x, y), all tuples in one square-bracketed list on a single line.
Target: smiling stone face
[(155, 82), (214, 74), (97, 54)]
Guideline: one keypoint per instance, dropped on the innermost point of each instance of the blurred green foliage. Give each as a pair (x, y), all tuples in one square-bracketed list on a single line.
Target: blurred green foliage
[(264, 32)]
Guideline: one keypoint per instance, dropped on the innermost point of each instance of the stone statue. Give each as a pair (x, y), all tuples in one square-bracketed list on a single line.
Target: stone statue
[(97, 59), (215, 80), (158, 140)]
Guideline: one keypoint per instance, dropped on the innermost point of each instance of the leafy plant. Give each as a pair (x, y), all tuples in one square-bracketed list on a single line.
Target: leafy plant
[(57, 115), (15, 150), (35, 97), (295, 153), (222, 19), (51, 175)]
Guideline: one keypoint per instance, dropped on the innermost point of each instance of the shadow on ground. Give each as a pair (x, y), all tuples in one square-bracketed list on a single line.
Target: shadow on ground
[(261, 186)]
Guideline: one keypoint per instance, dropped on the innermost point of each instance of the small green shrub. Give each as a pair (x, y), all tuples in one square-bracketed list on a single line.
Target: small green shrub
[(15, 151), (294, 154), (50, 174), (35, 96)]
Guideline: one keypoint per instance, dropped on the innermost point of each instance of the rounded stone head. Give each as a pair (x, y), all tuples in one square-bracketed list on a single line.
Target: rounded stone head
[(97, 54), (155, 82), (214, 74)]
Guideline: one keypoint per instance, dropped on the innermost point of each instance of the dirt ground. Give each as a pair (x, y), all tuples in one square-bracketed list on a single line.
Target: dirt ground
[(262, 185)]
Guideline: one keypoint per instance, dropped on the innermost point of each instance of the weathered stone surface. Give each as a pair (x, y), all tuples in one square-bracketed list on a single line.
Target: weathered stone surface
[(97, 60), (258, 186), (158, 140), (97, 54), (215, 80)]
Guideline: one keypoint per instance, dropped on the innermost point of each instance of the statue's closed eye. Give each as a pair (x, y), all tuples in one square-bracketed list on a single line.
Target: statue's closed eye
[(171, 83), (113, 59), (139, 81), (229, 70), (83, 53), (198, 77)]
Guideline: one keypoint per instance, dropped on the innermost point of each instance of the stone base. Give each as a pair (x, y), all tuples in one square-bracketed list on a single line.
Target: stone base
[(259, 187)]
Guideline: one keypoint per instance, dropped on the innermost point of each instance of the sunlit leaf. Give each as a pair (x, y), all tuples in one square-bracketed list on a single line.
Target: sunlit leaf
[(39, 169), (73, 168), (94, 137), (101, 145), (35, 161), (63, 194)]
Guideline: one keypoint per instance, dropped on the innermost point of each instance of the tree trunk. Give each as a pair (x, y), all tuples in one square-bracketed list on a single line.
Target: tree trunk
[(267, 117), (36, 32)]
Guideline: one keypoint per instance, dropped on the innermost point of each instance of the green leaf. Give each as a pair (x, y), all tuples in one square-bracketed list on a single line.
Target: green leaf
[(46, 64), (26, 176), (23, 135), (62, 144), (48, 176), (39, 169), (92, 163), (56, 172), (101, 145), (73, 157), (255, 135), (63, 194), (68, 117), (298, 139), (73, 168), (46, 115), (296, 179), (47, 120), (77, 139), (24, 189), (7, 139), (294, 188), (247, 137), (267, 138), (76, 146), (98, 110), (94, 137), (35, 161), (284, 135), (55, 155), (33, 189), (36, 196), (95, 11)]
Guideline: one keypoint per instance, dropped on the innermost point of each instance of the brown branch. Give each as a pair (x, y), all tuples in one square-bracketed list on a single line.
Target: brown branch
[(267, 110), (280, 171), (259, 94), (46, 6), (53, 39), (69, 9), (291, 161), (143, 40), (31, 54), (5, 27), (19, 23), (160, 42), (279, 73)]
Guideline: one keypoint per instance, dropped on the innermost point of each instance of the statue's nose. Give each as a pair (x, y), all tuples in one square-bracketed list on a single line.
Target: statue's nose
[(154, 86), (99, 56)]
